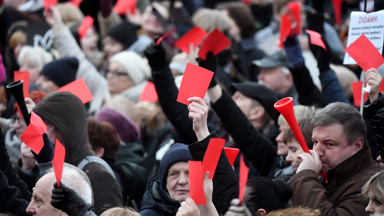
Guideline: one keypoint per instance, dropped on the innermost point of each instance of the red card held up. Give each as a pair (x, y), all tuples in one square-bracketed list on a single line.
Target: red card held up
[(243, 177), (122, 6), (49, 3), (58, 161), (149, 93), (315, 38), (85, 26), (212, 155), (23, 75), (78, 88), (231, 154), (365, 53), (337, 10), (193, 36), (196, 183), (285, 28), (33, 135), (195, 83), (356, 90), (216, 42), (295, 8), (164, 36)]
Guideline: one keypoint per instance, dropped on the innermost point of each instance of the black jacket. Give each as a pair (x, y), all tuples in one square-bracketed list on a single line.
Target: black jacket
[(375, 114)]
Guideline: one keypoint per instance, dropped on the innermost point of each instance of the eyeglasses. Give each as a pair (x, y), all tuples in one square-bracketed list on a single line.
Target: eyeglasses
[(117, 73)]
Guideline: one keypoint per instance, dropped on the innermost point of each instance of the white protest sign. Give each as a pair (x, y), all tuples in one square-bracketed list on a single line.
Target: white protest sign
[(369, 24)]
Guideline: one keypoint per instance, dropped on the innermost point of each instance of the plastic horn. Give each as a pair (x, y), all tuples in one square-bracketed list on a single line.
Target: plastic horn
[(285, 107), (16, 89)]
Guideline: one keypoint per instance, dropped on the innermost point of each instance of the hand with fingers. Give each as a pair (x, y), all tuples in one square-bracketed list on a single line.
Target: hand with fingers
[(373, 79), (156, 56), (198, 113), (53, 17), (310, 161), (238, 209), (27, 159), (208, 209), (188, 208)]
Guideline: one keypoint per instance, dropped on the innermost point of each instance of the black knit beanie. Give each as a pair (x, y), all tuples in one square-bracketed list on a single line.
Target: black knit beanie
[(61, 71), (124, 33), (177, 153)]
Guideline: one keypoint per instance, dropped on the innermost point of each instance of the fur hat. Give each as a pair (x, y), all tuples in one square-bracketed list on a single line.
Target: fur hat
[(135, 66), (61, 71)]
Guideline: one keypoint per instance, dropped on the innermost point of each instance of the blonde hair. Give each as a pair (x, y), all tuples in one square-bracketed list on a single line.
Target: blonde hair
[(118, 211), (210, 19), (35, 55), (374, 187), (297, 211), (69, 13), (301, 112)]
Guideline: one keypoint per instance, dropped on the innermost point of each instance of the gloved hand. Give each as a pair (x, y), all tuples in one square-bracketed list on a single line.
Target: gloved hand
[(46, 153), (323, 57), (210, 64), (156, 56), (67, 200), (315, 21), (293, 50)]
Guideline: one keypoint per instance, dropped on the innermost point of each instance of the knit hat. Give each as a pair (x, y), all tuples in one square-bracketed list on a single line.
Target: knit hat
[(136, 67), (126, 128), (177, 153), (61, 71), (124, 33), (261, 93)]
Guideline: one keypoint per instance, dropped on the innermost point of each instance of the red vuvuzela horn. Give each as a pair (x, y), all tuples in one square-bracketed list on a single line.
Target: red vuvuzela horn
[(285, 107)]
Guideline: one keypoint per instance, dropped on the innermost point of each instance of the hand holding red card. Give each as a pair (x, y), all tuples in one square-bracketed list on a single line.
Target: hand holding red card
[(33, 135), (85, 26), (195, 83), (243, 177), (231, 154), (122, 6), (365, 53), (357, 88), (212, 155), (78, 88), (193, 36), (196, 184), (149, 93), (295, 8), (216, 42), (58, 161)]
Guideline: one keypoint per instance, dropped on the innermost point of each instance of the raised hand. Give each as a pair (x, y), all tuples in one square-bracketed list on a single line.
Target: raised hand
[(198, 113), (373, 79)]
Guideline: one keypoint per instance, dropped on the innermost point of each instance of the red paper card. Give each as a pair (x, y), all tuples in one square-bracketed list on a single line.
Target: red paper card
[(231, 154), (149, 93), (196, 184), (295, 8), (33, 135), (78, 88), (122, 6), (315, 38), (164, 36), (76, 2), (193, 36), (85, 26), (285, 28), (195, 83), (337, 11), (212, 155), (365, 53), (23, 75), (216, 42), (58, 161), (49, 3), (243, 177)]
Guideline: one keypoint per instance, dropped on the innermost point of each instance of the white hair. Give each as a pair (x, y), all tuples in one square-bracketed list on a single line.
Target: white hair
[(77, 180), (35, 55)]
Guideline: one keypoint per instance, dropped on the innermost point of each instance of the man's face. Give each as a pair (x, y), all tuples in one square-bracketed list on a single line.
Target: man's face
[(178, 181), (375, 206), (243, 102), (46, 84), (274, 78), (294, 149), (332, 146), (41, 197)]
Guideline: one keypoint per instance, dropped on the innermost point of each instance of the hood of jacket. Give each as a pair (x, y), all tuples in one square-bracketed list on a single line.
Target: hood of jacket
[(67, 114)]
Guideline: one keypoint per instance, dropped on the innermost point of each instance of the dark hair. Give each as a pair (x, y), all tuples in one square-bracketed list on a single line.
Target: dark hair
[(103, 134), (306, 128), (268, 194), (344, 114)]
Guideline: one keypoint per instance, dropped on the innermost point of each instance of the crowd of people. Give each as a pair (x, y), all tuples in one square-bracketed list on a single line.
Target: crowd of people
[(127, 156)]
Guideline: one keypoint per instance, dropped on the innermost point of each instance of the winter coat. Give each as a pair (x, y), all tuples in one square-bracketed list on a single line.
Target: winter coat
[(342, 194), (375, 114)]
